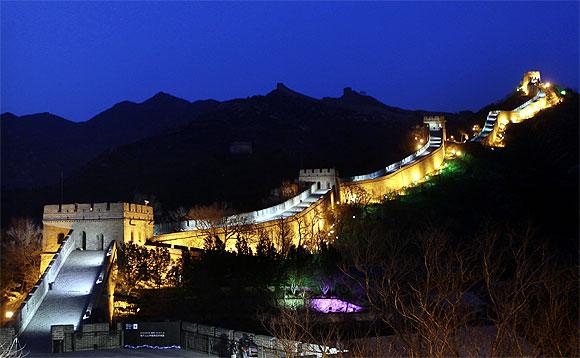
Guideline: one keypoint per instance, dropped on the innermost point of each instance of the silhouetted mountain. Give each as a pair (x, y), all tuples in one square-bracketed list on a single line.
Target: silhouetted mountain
[(282, 91), (180, 151), (37, 148), (356, 101)]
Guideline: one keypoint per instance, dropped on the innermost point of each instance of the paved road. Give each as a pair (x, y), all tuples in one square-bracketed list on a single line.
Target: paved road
[(65, 303), (127, 353)]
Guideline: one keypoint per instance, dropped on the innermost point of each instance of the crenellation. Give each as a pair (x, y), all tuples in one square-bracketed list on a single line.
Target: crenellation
[(96, 224), (99, 207)]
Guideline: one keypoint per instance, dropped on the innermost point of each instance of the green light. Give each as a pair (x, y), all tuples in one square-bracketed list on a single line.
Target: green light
[(563, 92)]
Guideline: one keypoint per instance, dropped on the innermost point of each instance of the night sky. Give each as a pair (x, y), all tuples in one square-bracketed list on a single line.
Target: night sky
[(76, 59)]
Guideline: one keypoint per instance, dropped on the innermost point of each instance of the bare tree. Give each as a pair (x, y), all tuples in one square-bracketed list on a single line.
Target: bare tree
[(496, 297), (283, 235), (12, 349), (21, 248), (217, 223), (358, 196), (531, 297), (302, 333)]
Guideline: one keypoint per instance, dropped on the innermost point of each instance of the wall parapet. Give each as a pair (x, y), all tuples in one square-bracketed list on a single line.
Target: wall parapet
[(257, 216), (436, 135), (36, 295), (102, 282), (98, 208)]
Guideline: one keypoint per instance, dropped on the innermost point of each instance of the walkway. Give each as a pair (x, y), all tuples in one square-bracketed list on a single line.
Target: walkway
[(65, 303)]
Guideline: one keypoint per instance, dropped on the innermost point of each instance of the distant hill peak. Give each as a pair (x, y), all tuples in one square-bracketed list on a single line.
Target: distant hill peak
[(7, 115), (283, 90), (163, 97), (348, 91)]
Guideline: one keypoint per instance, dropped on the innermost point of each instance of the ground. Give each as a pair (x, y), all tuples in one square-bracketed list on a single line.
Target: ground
[(128, 353)]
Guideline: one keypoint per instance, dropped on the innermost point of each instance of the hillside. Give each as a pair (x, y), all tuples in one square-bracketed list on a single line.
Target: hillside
[(37, 148), (177, 153)]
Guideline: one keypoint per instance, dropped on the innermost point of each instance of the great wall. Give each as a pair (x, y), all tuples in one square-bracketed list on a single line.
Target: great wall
[(79, 240)]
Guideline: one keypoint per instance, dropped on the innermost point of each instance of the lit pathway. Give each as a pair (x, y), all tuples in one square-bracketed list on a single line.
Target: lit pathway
[(65, 303)]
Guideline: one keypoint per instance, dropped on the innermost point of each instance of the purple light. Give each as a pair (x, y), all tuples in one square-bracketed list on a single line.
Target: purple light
[(152, 347), (327, 305)]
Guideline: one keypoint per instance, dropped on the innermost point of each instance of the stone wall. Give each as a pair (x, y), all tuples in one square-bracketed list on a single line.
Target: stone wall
[(308, 222), (252, 217), (373, 187), (96, 225), (218, 341), (100, 306), (93, 336), (327, 178), (545, 98), (215, 341), (35, 297), (377, 188)]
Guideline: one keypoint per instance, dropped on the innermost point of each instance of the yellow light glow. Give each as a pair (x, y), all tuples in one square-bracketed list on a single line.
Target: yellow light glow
[(418, 146), (548, 84), (458, 152), (9, 314), (421, 141)]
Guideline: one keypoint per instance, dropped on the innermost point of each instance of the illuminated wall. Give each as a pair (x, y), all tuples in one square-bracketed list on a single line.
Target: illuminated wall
[(377, 188), (311, 225), (528, 84), (545, 97), (94, 226), (299, 229)]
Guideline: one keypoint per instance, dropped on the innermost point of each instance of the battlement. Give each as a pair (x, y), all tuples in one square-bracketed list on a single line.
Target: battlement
[(318, 172), (531, 77), (113, 208), (530, 82), (325, 177), (434, 122)]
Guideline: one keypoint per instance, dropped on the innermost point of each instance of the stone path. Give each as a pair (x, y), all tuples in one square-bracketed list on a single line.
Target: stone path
[(65, 303)]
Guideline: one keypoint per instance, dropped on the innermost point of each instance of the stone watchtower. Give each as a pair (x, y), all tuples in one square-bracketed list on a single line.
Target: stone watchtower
[(436, 123), (326, 178), (530, 83), (94, 226)]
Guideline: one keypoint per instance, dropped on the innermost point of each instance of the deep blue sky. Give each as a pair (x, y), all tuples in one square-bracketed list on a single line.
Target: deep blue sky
[(75, 59)]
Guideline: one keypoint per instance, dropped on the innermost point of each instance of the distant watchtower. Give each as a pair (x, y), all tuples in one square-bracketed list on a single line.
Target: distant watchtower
[(436, 123), (326, 178), (96, 225), (530, 83)]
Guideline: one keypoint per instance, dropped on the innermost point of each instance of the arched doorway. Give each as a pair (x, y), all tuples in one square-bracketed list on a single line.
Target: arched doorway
[(84, 240), (100, 242)]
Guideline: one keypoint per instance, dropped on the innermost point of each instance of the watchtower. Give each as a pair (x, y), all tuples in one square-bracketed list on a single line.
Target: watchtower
[(94, 226), (436, 124), (326, 178), (530, 83)]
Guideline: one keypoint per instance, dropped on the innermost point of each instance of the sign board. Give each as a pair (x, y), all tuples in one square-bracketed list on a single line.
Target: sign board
[(160, 334)]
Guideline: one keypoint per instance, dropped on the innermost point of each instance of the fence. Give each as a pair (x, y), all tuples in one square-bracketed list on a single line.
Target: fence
[(219, 342), (95, 336)]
